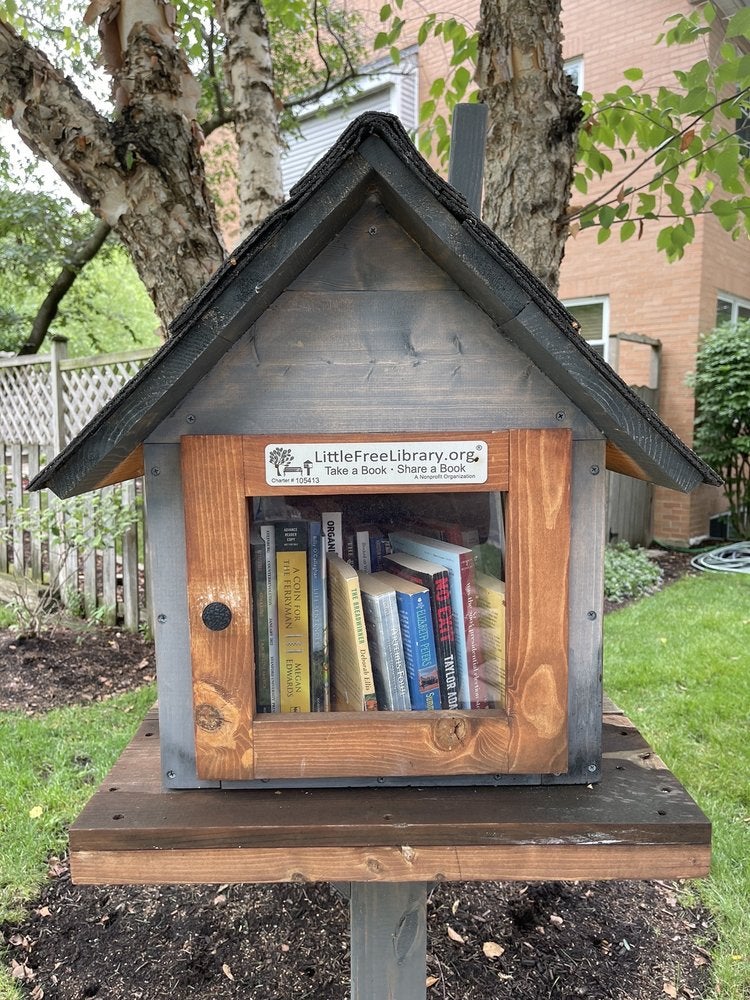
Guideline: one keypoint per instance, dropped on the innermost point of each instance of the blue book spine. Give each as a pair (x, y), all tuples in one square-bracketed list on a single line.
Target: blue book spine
[(420, 654)]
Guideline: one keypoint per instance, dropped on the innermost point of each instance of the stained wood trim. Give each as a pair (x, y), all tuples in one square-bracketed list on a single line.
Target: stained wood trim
[(391, 864), (399, 744), (618, 461), (497, 470), (537, 560), (130, 468), (216, 529)]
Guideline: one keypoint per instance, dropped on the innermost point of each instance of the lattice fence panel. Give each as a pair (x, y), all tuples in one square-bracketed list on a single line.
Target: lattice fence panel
[(86, 390), (26, 403)]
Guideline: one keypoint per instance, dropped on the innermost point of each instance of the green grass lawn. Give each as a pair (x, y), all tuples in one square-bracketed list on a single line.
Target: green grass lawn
[(678, 664)]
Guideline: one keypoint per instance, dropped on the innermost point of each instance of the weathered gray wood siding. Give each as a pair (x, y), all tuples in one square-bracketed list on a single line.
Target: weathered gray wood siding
[(372, 336)]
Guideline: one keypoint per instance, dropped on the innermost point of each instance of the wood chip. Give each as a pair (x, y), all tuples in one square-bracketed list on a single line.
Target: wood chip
[(492, 949), (454, 935)]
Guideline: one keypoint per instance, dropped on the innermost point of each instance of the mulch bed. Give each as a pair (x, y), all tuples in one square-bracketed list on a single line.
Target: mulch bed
[(487, 941)]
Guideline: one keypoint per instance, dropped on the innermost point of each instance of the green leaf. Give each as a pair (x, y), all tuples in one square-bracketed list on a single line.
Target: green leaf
[(633, 74), (606, 216), (437, 88), (385, 12), (395, 55), (627, 229), (603, 235), (426, 111), (581, 183), (381, 40), (739, 24)]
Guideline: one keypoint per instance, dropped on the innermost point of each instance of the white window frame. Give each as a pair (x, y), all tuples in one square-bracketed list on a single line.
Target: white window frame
[(574, 68), (594, 300), (735, 301)]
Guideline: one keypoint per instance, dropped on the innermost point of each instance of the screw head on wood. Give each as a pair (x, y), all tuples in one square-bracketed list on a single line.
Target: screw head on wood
[(190, 418), (560, 415), (161, 619), (591, 615), (373, 230), (216, 616), (156, 471), (594, 470)]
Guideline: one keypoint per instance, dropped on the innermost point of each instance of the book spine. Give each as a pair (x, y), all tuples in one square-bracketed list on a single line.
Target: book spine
[(474, 653), (386, 653), (260, 625), (395, 657), (268, 534), (370, 702), (319, 681), (442, 618), (333, 532), (491, 620), (420, 655), (364, 559), (294, 638)]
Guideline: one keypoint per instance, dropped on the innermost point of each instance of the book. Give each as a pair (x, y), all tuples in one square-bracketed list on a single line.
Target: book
[(352, 682), (491, 619), (435, 579), (270, 622), (260, 622), (292, 544), (372, 545), (418, 640), (449, 531), (386, 646), (459, 562), (333, 531), (318, 599)]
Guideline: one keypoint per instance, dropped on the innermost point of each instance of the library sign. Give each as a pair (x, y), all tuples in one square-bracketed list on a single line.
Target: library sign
[(376, 463)]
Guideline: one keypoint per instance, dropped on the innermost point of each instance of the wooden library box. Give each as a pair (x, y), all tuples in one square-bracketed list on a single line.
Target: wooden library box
[(373, 404)]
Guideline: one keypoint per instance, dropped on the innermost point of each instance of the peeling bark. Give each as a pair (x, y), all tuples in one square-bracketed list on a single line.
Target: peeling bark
[(141, 173), (249, 71), (534, 119)]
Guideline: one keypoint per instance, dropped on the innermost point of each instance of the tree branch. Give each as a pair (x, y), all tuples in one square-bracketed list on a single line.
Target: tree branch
[(81, 255), (655, 152)]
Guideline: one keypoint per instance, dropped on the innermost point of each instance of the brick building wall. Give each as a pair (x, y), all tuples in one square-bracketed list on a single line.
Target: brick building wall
[(674, 303)]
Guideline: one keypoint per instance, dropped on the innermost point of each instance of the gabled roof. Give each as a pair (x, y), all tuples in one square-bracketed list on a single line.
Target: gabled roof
[(374, 152)]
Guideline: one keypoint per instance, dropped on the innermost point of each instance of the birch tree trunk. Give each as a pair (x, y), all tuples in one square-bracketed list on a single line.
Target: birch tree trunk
[(141, 172), (249, 72), (534, 115)]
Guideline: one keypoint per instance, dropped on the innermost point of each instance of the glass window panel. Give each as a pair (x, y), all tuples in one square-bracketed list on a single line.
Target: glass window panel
[(591, 319), (723, 311)]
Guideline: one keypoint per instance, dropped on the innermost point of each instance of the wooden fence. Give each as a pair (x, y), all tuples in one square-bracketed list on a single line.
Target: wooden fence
[(89, 550)]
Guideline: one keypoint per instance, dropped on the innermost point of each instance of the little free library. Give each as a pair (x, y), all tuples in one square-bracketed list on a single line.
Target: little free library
[(374, 451)]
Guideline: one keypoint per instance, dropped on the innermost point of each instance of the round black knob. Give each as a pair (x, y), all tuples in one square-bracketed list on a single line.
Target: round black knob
[(216, 616)]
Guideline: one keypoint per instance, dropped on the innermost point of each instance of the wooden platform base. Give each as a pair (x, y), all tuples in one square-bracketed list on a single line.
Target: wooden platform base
[(638, 822)]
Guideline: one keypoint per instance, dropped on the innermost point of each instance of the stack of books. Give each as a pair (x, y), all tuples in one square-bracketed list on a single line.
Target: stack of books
[(414, 625)]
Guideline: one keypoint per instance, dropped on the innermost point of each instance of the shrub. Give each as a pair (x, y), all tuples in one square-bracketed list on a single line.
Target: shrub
[(629, 573), (722, 424)]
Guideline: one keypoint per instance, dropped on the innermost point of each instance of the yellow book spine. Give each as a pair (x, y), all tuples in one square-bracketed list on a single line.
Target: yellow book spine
[(294, 631), (490, 599)]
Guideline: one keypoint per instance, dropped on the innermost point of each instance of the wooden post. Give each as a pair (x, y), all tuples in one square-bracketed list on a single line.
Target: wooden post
[(389, 940), (57, 391), (466, 167)]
